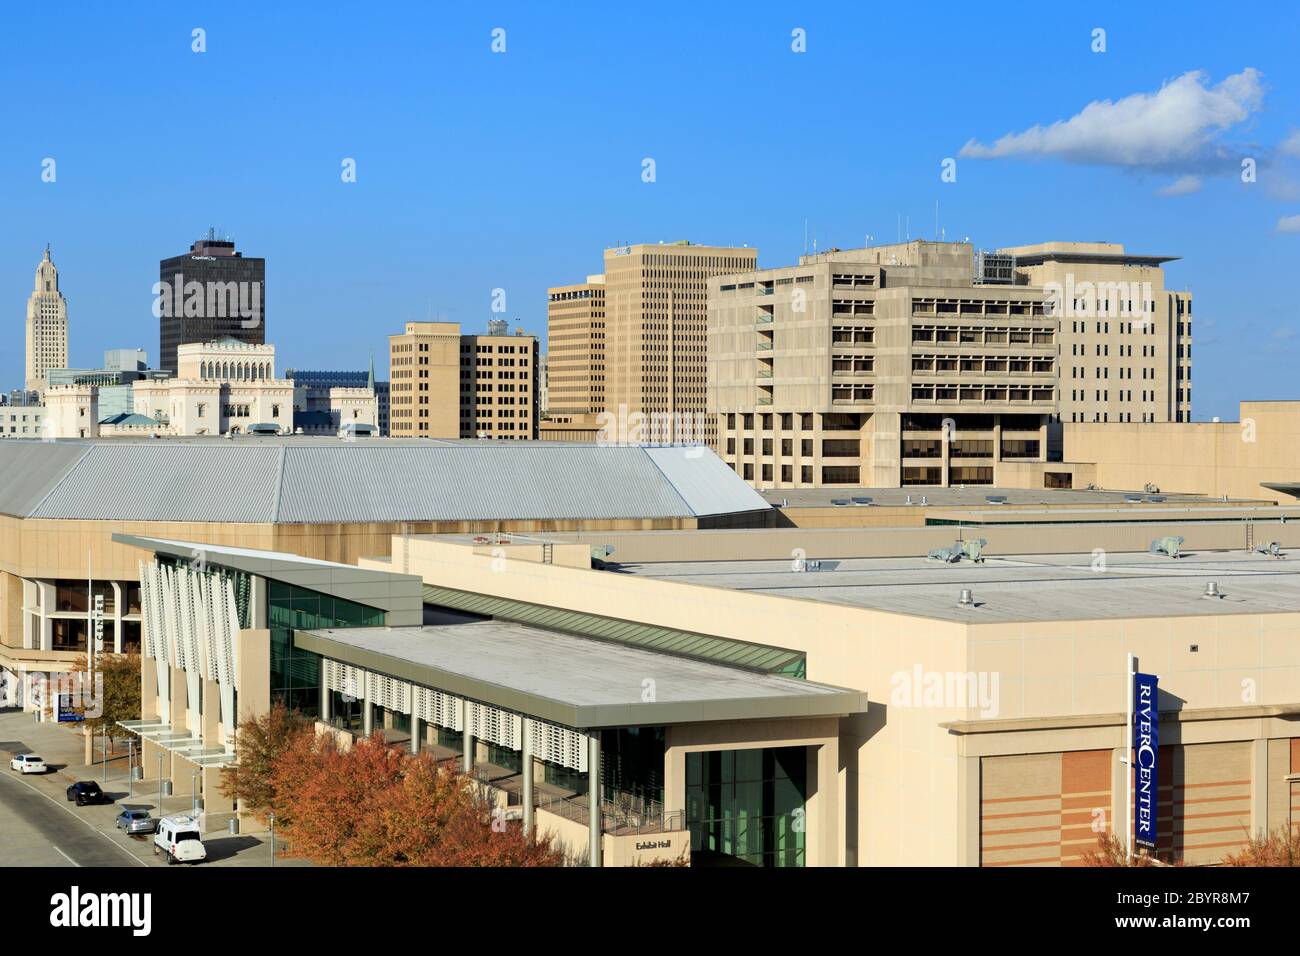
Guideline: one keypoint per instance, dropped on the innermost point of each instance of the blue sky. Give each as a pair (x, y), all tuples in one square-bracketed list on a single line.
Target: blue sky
[(478, 170)]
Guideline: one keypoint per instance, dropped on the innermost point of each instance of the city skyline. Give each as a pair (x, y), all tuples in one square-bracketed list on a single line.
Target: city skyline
[(467, 183)]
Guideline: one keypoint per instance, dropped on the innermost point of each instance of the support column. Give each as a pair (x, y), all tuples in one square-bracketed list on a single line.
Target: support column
[(367, 716), (417, 731), (593, 796), (822, 813), (149, 689), (209, 725), (526, 729), (257, 601), (179, 701), (324, 694), (466, 736)]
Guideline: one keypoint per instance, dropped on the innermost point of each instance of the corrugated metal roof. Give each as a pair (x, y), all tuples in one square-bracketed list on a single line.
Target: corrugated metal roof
[(26, 478), (479, 481), (158, 482), (707, 490), (705, 647), (364, 481)]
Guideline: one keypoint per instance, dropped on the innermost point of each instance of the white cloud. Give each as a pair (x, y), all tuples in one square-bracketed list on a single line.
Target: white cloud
[(1173, 128), (1289, 224), (1182, 186), (1291, 145)]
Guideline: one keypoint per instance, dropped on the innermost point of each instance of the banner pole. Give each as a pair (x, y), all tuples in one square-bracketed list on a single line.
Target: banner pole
[(1131, 670)]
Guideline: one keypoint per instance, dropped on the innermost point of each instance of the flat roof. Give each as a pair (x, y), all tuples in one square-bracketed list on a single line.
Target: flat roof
[(389, 591), (574, 681), (1026, 588), (979, 495)]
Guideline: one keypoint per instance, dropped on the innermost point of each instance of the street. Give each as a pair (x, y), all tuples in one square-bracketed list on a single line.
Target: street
[(39, 831), (39, 827)]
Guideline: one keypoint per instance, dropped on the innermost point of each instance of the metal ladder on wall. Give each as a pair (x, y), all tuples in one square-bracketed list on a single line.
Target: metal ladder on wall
[(1250, 534)]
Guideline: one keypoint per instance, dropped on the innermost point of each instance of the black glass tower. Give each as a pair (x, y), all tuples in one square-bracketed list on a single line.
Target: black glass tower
[(211, 292)]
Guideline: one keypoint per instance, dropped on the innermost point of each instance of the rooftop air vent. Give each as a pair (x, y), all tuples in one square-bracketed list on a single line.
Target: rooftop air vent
[(966, 599), (1170, 545), (1212, 590)]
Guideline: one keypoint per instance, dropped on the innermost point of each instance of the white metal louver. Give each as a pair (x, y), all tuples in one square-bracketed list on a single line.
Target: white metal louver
[(390, 693), (191, 622), (500, 727), (438, 708), (560, 745)]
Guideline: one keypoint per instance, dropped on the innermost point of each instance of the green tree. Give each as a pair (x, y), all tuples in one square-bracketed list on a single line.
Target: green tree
[(116, 684)]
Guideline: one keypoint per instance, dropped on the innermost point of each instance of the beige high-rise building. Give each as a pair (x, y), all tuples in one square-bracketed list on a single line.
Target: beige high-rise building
[(879, 367), (575, 341), (926, 363), (449, 385), (656, 333), (1126, 342), (47, 325)]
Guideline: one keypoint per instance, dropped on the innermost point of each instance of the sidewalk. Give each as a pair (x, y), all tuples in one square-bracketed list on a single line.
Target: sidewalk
[(63, 747)]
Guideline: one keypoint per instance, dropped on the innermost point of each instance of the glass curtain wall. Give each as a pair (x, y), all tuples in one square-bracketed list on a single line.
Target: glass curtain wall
[(746, 807), (295, 674)]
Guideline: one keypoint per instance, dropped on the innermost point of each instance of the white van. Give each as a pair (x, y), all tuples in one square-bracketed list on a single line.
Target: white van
[(178, 836)]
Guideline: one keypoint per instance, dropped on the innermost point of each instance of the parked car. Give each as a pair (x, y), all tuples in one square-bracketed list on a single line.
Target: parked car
[(178, 837), (87, 791), (136, 821), (28, 763)]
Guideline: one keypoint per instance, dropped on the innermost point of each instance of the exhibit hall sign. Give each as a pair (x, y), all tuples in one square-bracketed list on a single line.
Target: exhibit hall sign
[(1146, 760)]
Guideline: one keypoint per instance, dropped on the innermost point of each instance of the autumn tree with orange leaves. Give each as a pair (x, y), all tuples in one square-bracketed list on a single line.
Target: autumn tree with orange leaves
[(1279, 848), (372, 805), (259, 741)]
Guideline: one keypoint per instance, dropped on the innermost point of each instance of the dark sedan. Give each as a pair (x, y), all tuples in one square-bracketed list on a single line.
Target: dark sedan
[(86, 792)]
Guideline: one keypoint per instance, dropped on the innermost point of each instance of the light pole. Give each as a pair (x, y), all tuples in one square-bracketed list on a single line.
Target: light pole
[(130, 768), (273, 839), (104, 749), (160, 808), (194, 792)]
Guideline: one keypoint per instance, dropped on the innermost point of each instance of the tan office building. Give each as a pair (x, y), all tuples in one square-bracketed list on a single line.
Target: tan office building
[(655, 339), (47, 325), (1125, 341), (449, 385), (879, 367), (926, 363), (575, 342)]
